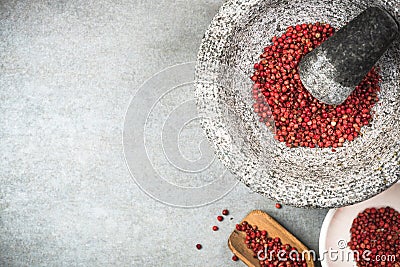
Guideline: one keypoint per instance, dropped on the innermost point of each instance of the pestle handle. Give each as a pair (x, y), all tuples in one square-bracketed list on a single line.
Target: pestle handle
[(333, 70)]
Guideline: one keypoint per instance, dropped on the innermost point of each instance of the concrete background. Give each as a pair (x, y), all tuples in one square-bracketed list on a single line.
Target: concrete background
[(68, 71)]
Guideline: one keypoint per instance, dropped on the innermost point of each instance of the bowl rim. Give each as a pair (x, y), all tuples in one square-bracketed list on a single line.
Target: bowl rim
[(323, 234)]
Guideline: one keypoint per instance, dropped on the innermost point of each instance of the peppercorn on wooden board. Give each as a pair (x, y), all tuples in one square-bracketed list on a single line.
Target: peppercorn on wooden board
[(273, 228)]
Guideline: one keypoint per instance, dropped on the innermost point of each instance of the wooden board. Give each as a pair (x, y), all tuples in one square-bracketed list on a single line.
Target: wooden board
[(273, 228)]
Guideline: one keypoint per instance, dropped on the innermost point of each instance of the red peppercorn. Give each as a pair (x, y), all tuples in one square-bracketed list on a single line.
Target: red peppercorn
[(235, 258), (373, 230), (257, 241), (215, 228), (199, 246), (220, 218), (282, 101), (238, 227), (225, 212), (278, 206)]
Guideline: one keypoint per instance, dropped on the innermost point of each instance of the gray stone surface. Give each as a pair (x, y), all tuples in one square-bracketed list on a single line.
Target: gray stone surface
[(68, 70), (332, 71), (302, 177)]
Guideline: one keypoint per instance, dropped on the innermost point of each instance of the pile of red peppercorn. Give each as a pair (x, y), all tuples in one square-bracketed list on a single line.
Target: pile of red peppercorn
[(376, 230), (258, 240), (300, 119)]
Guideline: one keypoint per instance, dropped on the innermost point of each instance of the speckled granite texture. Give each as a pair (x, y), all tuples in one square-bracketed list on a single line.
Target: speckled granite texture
[(333, 70), (68, 71), (302, 176)]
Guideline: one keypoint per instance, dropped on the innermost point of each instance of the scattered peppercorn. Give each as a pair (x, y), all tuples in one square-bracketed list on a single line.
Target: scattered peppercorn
[(278, 206), (235, 258), (199, 246), (220, 218), (225, 212), (215, 228)]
